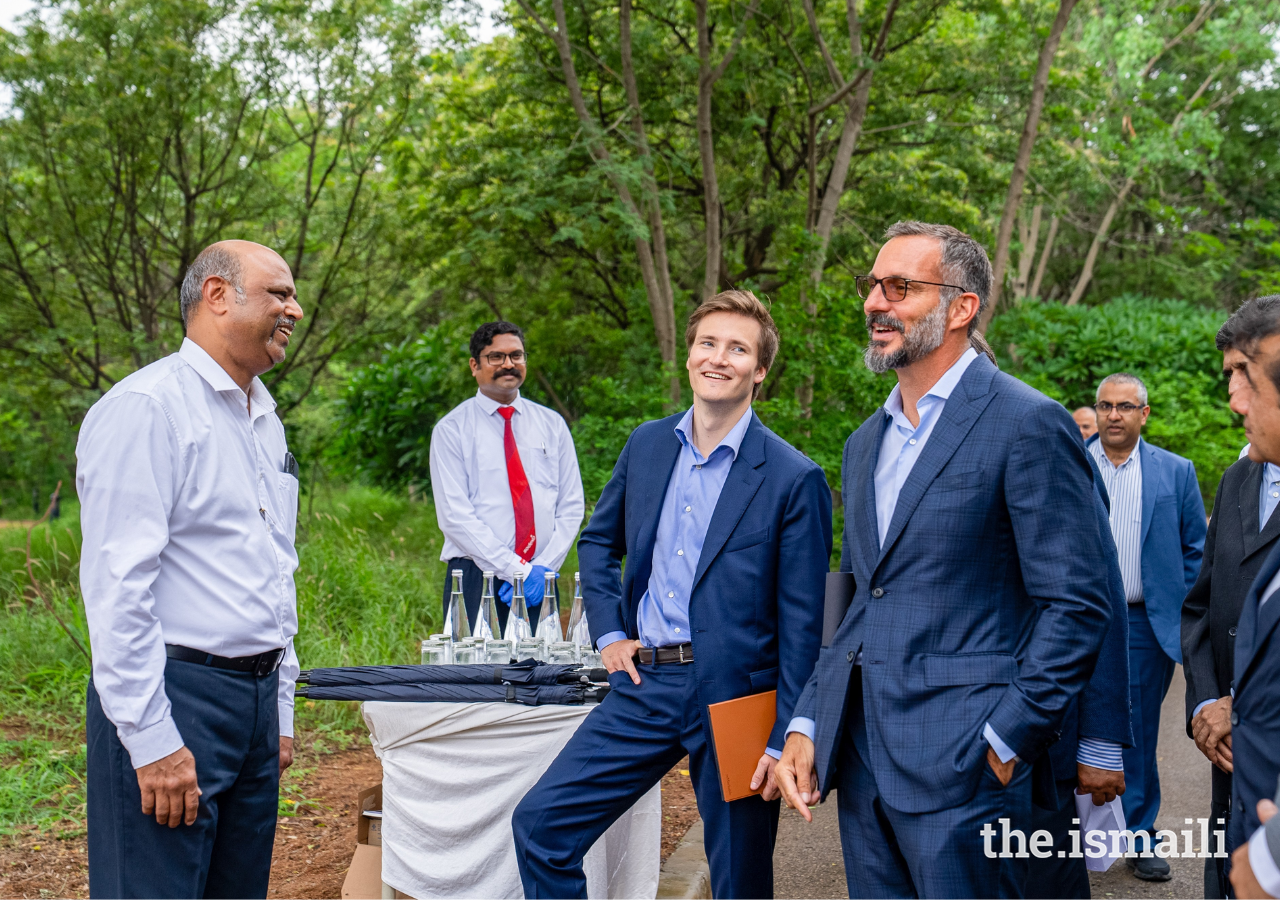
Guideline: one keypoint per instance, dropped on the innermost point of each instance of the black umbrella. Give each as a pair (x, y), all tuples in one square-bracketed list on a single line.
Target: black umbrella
[(527, 694), (529, 671)]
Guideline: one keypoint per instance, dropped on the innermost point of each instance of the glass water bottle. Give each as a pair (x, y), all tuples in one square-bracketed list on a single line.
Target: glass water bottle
[(487, 628), (579, 633), (518, 627), (456, 625), (549, 630)]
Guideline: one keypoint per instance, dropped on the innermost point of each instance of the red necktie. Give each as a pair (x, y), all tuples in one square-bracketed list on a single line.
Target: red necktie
[(521, 496)]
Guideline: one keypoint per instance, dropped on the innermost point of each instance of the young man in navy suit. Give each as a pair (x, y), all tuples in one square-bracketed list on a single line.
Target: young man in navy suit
[(981, 594), (726, 533)]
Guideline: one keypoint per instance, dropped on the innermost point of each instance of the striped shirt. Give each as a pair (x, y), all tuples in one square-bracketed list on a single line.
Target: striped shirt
[(1124, 485)]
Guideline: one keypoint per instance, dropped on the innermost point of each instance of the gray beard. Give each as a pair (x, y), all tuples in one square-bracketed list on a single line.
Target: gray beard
[(918, 341)]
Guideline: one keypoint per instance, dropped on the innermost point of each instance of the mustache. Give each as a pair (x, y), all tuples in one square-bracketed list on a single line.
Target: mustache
[(502, 372), (885, 320), (290, 321)]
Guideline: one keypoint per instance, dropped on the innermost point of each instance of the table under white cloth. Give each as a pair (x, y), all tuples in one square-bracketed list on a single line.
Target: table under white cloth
[(452, 774)]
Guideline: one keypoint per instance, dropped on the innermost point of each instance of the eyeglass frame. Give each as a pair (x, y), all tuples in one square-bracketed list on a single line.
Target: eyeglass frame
[(503, 357), (1118, 407), (879, 282)]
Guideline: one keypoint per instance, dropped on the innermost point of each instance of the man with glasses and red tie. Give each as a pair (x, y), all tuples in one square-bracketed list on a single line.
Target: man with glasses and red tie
[(1158, 522), (505, 477)]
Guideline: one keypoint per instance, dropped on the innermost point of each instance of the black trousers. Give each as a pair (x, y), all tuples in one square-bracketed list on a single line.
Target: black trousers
[(1216, 882), (1054, 877), (230, 722), (472, 588)]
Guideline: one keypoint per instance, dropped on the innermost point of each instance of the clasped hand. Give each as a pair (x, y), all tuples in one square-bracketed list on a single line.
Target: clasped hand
[(1211, 728)]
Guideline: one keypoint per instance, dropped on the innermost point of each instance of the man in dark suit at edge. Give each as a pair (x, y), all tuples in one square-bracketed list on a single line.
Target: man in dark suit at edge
[(726, 532), (980, 601), (1242, 532)]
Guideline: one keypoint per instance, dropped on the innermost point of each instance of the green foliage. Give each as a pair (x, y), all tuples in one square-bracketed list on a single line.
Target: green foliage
[(1066, 350)]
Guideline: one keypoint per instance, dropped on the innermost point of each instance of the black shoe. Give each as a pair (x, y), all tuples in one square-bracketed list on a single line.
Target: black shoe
[(1149, 868)]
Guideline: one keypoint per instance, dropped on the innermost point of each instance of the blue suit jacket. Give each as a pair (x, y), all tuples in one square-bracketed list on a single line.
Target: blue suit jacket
[(1255, 712), (987, 602), (756, 605), (1102, 709), (1173, 530)]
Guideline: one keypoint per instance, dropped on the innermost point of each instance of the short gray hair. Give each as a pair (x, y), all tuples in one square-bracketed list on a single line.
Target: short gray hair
[(964, 262), (1123, 378), (213, 261)]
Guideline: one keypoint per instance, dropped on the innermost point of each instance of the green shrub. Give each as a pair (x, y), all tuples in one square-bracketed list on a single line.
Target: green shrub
[(1066, 350)]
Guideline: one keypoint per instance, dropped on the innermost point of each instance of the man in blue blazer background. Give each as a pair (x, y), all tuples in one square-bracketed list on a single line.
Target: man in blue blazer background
[(981, 594), (1158, 523), (726, 533)]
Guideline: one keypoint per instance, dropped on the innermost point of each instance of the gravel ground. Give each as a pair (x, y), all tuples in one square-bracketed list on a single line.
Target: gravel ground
[(807, 861)]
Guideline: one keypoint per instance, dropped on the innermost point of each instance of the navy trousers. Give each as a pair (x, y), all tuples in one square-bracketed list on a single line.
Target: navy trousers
[(1058, 876), (623, 749), (889, 853), (230, 722), (1150, 672)]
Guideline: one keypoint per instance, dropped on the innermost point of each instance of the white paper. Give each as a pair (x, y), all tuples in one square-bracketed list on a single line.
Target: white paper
[(1106, 818)]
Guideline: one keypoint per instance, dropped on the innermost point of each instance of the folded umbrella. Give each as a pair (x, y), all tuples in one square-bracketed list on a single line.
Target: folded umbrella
[(529, 671), (526, 694)]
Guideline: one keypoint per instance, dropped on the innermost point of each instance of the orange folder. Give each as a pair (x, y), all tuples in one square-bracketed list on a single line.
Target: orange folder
[(740, 730)]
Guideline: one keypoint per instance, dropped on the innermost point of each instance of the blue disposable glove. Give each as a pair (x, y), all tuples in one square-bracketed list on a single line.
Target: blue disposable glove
[(534, 585), (505, 593)]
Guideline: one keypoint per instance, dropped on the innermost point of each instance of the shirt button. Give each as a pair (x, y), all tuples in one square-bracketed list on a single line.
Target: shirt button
[(679, 553), (912, 442), (877, 593), (698, 466), (1231, 631), (677, 631), (688, 508), (849, 656), (1235, 718), (671, 593)]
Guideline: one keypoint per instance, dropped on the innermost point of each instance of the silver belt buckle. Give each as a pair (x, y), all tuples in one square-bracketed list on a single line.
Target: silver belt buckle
[(680, 650)]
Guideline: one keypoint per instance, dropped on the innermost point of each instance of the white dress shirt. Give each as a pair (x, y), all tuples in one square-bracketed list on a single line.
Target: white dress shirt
[(188, 524), (473, 494), (1124, 487)]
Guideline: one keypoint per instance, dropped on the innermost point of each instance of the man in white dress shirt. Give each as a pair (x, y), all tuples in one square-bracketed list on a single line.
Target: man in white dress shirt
[(189, 501), (505, 477)]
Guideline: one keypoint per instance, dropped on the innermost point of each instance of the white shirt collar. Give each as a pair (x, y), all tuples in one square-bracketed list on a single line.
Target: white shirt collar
[(217, 377), (489, 406), (1133, 454), (941, 389), (732, 440)]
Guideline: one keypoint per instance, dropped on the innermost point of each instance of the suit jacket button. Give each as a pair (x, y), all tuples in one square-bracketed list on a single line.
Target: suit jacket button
[(850, 656), (877, 593), (1231, 631), (1235, 718)]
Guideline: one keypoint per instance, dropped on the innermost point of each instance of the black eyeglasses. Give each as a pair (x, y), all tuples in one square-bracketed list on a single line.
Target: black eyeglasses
[(1126, 409), (894, 288), (497, 359)]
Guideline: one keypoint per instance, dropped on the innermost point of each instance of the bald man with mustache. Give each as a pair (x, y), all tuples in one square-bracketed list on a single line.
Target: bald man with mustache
[(189, 500)]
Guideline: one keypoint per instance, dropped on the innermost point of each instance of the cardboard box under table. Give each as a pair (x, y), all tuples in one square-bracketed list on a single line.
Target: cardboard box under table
[(452, 774)]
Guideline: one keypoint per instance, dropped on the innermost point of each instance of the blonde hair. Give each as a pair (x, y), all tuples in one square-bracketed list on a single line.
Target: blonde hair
[(742, 303)]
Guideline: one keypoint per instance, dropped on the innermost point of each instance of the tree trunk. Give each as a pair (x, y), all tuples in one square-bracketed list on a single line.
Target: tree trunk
[(1022, 163), (660, 304), (1030, 239), (1086, 274), (1044, 257), (652, 206)]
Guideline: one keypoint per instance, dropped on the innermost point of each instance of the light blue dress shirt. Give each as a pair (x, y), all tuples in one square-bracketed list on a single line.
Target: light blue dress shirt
[(692, 494), (1270, 495)]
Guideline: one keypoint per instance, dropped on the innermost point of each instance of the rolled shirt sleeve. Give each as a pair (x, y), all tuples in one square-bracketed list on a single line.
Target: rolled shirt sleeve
[(130, 481)]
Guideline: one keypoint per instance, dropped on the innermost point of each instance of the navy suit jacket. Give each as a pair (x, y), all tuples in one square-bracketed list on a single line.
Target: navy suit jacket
[(756, 605), (1255, 712), (986, 603), (1102, 709)]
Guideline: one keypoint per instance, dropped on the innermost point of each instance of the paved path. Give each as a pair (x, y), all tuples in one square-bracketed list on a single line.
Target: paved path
[(807, 862)]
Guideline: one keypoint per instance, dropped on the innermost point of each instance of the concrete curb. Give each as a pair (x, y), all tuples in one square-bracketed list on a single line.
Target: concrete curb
[(685, 875)]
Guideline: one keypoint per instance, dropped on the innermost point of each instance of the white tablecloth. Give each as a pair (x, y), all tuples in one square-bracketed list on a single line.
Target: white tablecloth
[(452, 773)]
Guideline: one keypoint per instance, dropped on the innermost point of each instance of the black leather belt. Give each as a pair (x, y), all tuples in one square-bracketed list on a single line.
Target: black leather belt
[(680, 654), (260, 664)]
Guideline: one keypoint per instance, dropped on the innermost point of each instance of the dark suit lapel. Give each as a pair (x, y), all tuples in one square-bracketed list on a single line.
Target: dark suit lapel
[(1271, 530), (744, 480), (869, 533), (1255, 624), (1250, 488), (1150, 487), (656, 469), (962, 409)]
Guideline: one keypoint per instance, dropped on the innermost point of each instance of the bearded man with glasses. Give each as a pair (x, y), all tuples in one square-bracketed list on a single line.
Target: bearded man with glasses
[(505, 479), (1158, 523)]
